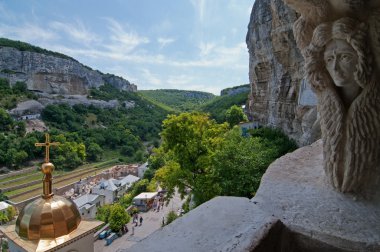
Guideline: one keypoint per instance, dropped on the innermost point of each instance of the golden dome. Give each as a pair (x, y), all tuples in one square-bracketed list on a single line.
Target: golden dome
[(47, 218), (50, 216)]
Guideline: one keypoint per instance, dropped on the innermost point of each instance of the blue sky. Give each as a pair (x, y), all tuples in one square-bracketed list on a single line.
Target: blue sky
[(181, 44)]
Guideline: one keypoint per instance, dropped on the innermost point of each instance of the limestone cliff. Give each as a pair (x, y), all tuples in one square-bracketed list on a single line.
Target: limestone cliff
[(280, 96), (52, 74)]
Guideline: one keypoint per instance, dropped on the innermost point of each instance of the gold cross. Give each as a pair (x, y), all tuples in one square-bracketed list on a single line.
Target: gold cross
[(47, 145)]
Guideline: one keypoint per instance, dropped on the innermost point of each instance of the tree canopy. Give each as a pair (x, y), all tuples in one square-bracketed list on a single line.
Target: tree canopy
[(209, 159), (118, 217), (235, 115), (190, 139)]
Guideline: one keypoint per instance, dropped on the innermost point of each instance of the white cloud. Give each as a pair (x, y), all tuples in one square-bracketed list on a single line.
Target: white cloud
[(179, 80), (27, 32), (206, 48), (123, 42), (199, 6), (77, 31), (151, 78), (164, 41), (217, 56)]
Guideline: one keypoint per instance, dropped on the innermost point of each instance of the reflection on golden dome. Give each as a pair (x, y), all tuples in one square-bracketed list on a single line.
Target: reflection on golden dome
[(50, 216), (47, 218)]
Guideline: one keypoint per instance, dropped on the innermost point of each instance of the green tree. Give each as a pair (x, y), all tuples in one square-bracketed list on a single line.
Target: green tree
[(126, 200), (239, 164), (19, 88), (19, 158), (69, 155), (118, 217), (3, 218), (6, 121), (139, 187), (11, 212), (10, 157), (190, 139), (5, 88), (103, 213), (157, 159), (234, 115), (3, 197), (94, 152), (170, 217)]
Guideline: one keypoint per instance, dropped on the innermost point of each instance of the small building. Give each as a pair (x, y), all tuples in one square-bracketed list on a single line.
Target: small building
[(88, 205), (144, 201), (108, 189), (29, 117), (249, 125), (125, 183)]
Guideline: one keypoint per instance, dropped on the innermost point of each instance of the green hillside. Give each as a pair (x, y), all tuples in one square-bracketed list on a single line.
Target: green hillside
[(178, 100), (217, 107), (86, 133)]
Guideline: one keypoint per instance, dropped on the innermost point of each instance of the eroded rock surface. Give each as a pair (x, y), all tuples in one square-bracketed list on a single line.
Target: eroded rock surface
[(54, 75), (280, 96)]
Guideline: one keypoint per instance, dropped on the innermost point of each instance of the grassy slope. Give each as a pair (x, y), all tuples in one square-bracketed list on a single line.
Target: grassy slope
[(178, 100), (218, 106)]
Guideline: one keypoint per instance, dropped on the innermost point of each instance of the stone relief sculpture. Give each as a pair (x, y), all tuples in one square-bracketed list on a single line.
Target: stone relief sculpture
[(338, 66), (341, 45)]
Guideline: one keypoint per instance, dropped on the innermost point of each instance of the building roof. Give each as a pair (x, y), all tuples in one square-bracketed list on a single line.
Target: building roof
[(85, 199), (146, 195), (107, 185), (3, 205), (128, 180)]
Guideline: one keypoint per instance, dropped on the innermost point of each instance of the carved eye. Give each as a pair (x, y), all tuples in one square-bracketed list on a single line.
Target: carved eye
[(346, 57), (329, 59)]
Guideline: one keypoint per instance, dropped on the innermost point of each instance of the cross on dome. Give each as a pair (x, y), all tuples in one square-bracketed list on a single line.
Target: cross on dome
[(47, 145)]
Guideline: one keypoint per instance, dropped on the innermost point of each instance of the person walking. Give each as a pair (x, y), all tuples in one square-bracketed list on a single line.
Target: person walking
[(141, 220)]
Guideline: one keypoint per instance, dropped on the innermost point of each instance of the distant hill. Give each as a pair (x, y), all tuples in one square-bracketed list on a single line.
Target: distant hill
[(236, 90), (218, 106), (177, 100)]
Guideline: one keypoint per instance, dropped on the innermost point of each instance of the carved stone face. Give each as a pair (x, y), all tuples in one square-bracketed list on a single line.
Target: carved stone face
[(341, 61)]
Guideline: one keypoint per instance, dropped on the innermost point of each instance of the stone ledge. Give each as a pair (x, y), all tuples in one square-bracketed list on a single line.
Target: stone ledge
[(294, 190), (293, 206)]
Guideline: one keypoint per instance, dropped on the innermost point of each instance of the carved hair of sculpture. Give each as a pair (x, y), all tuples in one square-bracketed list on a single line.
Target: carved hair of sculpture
[(350, 131)]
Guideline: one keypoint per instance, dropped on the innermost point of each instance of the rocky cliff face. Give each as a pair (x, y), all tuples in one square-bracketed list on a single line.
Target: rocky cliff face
[(54, 75), (280, 97), (235, 90)]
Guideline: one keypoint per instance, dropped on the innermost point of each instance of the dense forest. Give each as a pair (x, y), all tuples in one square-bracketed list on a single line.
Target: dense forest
[(178, 100), (85, 132)]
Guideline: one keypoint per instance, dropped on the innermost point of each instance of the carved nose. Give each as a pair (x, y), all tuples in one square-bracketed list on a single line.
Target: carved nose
[(335, 64)]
